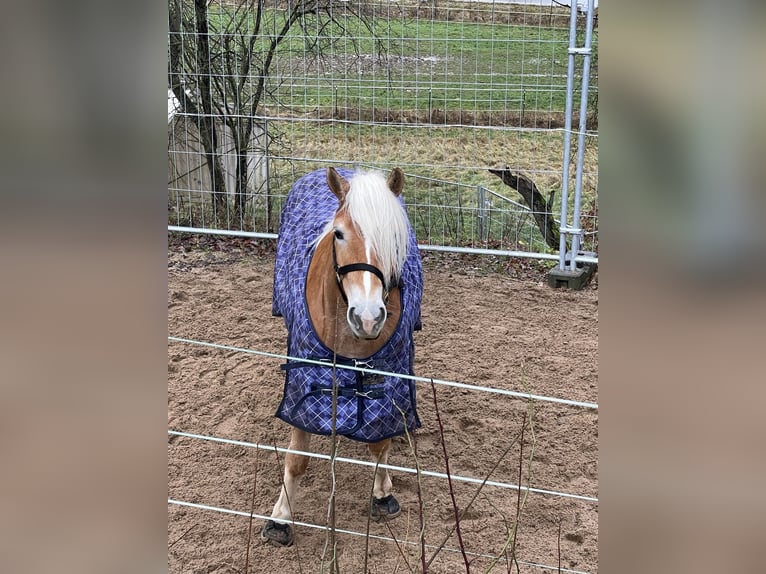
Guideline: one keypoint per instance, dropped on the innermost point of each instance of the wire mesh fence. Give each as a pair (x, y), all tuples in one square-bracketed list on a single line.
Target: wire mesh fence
[(262, 92)]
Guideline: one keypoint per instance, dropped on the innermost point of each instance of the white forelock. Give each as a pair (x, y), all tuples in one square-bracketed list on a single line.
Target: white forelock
[(381, 219)]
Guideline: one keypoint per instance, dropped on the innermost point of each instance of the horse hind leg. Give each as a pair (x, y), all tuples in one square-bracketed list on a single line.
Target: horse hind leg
[(278, 531), (383, 505)]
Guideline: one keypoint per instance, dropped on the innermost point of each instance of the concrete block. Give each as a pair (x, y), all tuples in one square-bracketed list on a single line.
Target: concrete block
[(576, 279)]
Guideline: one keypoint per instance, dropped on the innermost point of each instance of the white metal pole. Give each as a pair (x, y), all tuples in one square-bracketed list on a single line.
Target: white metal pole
[(576, 231), (563, 227)]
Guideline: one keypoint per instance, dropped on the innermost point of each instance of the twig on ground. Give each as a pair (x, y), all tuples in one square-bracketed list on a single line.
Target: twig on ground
[(290, 506), (473, 498), (177, 540), (402, 555), (508, 536), (455, 508), (421, 510), (330, 539), (421, 514), (511, 538), (252, 510), (369, 517)]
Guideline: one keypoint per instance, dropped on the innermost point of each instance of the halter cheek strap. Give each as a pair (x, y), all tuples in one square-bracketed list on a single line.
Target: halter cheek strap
[(341, 271)]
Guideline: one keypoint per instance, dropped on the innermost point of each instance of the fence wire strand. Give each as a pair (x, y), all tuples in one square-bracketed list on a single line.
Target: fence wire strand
[(516, 394), (404, 469), (362, 534)]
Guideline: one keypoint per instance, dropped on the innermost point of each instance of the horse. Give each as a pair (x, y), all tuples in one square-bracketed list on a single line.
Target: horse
[(348, 282)]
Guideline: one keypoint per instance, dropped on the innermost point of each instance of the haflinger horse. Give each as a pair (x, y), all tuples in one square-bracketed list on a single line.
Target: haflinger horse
[(348, 282)]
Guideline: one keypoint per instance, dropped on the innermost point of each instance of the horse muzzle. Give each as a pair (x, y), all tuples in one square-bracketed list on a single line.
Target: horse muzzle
[(365, 325)]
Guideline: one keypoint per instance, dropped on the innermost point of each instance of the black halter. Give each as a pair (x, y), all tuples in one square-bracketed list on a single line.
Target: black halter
[(341, 271)]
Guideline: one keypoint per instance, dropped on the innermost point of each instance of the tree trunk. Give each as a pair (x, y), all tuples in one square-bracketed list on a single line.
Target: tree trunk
[(206, 125), (541, 211), (242, 140), (213, 76), (207, 117)]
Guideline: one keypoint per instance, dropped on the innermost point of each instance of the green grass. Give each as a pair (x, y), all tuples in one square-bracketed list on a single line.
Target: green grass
[(418, 65), (428, 65), (443, 200)]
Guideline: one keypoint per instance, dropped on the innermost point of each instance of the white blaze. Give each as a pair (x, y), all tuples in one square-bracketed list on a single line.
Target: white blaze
[(365, 299), (367, 278)]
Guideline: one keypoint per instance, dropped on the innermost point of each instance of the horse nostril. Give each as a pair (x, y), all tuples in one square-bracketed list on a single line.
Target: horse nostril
[(381, 316), (355, 318)]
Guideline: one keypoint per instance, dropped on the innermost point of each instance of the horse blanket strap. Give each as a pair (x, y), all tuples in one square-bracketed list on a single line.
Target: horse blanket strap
[(343, 361), (370, 407)]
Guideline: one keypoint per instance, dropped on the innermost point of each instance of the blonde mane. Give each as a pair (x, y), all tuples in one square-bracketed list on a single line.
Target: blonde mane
[(381, 219)]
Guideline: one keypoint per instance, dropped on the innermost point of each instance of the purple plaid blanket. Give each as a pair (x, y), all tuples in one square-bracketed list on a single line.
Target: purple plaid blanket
[(370, 407)]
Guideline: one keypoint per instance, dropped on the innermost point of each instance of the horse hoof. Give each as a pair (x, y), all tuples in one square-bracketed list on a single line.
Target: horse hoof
[(277, 534), (384, 508)]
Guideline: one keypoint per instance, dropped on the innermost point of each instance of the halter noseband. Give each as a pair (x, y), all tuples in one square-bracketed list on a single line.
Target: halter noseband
[(341, 271)]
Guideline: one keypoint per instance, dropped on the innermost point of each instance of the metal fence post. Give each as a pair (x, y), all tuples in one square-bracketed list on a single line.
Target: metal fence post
[(586, 52), (564, 227), (567, 272), (481, 212)]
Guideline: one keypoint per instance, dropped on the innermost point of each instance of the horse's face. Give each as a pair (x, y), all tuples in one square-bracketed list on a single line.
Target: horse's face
[(364, 289), (362, 273)]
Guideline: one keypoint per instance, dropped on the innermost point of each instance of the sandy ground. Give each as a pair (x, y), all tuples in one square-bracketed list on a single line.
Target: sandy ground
[(503, 330)]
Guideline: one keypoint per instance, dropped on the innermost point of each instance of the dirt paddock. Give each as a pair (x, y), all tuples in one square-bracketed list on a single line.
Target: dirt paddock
[(503, 330)]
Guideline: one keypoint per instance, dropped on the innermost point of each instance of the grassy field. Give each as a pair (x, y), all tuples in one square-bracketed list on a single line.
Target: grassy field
[(444, 98), (417, 60), (445, 166), (427, 65)]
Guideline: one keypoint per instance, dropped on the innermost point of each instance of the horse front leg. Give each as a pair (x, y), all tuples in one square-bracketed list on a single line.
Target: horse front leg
[(278, 531), (383, 505)]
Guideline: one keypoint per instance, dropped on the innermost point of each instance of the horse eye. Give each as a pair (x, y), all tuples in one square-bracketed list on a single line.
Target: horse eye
[(338, 234)]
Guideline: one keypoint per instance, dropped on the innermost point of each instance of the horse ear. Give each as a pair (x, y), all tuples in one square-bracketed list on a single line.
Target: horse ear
[(338, 184), (396, 181)]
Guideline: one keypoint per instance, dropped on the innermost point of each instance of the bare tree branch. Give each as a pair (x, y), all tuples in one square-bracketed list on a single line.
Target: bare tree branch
[(541, 210), (221, 69)]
